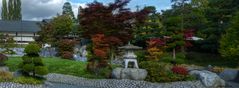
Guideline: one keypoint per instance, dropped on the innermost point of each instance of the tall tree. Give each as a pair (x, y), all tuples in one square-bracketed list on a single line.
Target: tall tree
[(67, 10), (17, 10), (55, 30), (11, 10), (218, 14), (114, 22), (152, 27), (4, 10), (229, 42)]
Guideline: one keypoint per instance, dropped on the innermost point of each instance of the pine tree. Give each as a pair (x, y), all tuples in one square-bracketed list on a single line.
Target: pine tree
[(4, 10), (229, 43), (67, 10)]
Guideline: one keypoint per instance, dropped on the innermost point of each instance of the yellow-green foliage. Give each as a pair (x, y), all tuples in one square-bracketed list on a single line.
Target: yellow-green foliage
[(154, 53), (5, 76), (229, 43), (28, 80)]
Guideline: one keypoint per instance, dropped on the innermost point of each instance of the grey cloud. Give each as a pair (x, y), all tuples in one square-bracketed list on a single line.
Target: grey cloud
[(43, 9)]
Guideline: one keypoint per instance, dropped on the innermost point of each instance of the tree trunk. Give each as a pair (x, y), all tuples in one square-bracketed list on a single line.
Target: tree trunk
[(174, 54)]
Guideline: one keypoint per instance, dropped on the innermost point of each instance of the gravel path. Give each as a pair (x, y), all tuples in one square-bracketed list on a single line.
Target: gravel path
[(67, 81), (114, 83)]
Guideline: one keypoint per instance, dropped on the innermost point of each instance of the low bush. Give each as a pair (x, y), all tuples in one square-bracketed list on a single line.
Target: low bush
[(9, 51), (66, 48), (179, 70), (105, 72), (67, 55), (28, 80), (217, 69), (3, 58), (41, 70), (141, 56), (161, 72), (5, 76)]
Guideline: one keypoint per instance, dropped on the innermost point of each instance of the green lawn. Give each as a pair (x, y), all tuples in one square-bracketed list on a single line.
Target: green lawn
[(56, 65)]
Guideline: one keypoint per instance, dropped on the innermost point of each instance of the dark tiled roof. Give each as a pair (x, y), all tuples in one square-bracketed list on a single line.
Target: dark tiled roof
[(19, 26)]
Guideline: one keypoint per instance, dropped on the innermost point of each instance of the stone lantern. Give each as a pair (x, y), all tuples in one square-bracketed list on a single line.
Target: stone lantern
[(129, 73), (129, 55)]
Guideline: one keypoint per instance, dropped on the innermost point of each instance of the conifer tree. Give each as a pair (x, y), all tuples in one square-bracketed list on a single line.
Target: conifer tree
[(67, 10), (4, 10)]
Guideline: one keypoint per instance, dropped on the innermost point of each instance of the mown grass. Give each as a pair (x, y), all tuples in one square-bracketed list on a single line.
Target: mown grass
[(57, 65)]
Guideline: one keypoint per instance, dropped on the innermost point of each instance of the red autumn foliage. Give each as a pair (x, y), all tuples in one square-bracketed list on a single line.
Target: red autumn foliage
[(154, 42), (100, 48), (66, 48), (112, 20), (67, 55), (179, 70), (100, 53), (113, 41), (187, 35)]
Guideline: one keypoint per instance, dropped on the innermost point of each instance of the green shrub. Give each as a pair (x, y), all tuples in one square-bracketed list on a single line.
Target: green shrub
[(38, 61), (41, 70), (26, 59), (32, 49), (168, 58), (5, 76), (141, 56), (105, 72), (32, 64), (9, 51), (161, 72), (3, 58), (28, 67), (28, 80)]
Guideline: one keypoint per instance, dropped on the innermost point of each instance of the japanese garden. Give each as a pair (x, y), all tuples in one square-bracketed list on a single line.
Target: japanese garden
[(191, 44)]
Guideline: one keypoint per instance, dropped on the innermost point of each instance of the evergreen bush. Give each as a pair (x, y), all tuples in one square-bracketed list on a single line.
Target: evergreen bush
[(32, 64)]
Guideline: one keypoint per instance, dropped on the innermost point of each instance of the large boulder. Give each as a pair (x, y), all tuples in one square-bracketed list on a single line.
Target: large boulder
[(230, 75), (209, 79), (129, 73)]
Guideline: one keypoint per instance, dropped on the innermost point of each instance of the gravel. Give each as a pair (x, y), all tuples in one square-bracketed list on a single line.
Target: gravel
[(67, 81), (115, 83)]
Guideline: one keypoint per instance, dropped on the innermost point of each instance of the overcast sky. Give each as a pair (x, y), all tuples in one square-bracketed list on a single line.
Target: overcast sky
[(45, 9)]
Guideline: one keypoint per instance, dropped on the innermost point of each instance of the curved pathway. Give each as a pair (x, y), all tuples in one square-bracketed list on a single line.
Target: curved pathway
[(67, 81)]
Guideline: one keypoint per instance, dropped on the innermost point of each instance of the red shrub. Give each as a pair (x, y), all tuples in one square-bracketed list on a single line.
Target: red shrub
[(180, 70), (66, 45), (100, 53), (67, 55)]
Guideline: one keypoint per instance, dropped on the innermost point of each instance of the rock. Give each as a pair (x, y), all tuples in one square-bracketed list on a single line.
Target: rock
[(17, 73), (229, 75), (129, 73), (209, 79), (4, 68)]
